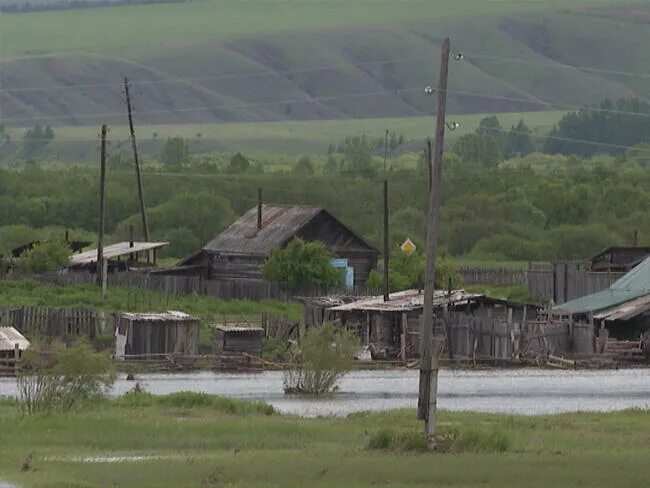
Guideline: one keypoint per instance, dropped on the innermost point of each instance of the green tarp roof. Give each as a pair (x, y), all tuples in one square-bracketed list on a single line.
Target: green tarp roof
[(634, 284)]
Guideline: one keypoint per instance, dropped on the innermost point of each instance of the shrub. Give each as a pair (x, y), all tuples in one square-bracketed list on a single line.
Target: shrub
[(189, 400), (54, 377), (322, 359), (447, 441), (382, 439), (44, 257)]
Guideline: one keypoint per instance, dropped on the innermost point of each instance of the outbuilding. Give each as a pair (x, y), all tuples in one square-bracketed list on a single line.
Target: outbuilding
[(156, 335), (237, 346)]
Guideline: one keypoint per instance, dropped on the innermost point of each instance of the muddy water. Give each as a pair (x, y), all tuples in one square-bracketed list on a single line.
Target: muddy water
[(522, 391)]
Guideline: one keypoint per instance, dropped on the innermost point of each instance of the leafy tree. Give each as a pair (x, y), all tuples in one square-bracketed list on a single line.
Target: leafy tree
[(476, 148), (491, 127), (175, 152), (518, 142), (56, 377), (331, 166), (238, 164), (301, 263), (304, 167), (44, 257), (323, 357), (620, 123), (35, 139), (357, 153)]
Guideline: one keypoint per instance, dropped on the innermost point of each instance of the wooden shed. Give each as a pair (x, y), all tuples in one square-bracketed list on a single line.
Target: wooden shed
[(241, 250), (156, 335), (237, 347), (618, 259), (12, 345)]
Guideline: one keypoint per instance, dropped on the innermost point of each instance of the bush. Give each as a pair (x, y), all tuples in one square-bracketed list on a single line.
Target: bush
[(53, 377), (44, 257), (323, 358), (449, 441), (189, 399)]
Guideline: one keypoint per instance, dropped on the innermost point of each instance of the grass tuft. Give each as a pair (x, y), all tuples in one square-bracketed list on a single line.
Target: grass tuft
[(452, 441)]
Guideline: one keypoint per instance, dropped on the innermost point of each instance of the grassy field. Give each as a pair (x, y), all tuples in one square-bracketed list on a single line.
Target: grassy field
[(147, 28), (193, 441), (262, 139)]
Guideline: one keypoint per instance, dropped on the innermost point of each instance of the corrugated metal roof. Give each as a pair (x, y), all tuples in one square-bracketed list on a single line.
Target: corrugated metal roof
[(279, 224), (9, 337), (114, 251), (406, 300), (168, 316), (633, 285), (626, 310)]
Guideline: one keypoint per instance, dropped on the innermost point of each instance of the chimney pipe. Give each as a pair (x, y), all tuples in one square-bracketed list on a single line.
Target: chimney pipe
[(259, 208), (130, 236)]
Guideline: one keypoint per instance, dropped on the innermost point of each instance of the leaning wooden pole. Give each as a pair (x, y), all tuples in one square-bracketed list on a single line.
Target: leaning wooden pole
[(102, 207), (386, 245), (432, 343), (143, 210)]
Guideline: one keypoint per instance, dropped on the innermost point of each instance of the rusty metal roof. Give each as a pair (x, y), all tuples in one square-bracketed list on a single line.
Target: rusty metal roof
[(407, 300), (9, 337), (114, 251), (280, 223)]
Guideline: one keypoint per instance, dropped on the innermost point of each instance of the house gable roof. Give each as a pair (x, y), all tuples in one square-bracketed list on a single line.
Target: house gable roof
[(280, 223)]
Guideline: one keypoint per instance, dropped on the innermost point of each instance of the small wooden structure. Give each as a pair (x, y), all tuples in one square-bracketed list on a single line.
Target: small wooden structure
[(12, 345), (617, 259), (121, 256), (237, 346), (478, 326), (156, 335), (240, 251)]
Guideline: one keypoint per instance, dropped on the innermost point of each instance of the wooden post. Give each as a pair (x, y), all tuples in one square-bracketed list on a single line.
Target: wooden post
[(430, 163), (104, 278), (386, 250), (16, 358), (102, 205), (402, 337), (428, 388), (259, 208), (143, 210)]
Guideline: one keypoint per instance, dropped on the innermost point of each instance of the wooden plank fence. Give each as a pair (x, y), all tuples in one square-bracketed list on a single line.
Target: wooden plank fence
[(58, 322), (561, 282), (479, 275), (256, 290)]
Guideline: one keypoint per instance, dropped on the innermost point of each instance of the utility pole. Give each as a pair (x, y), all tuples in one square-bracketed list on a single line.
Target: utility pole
[(432, 343), (385, 151), (259, 208), (430, 162), (143, 211), (102, 208), (386, 251)]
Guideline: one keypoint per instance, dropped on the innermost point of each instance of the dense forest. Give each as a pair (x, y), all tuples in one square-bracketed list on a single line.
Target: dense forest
[(538, 207)]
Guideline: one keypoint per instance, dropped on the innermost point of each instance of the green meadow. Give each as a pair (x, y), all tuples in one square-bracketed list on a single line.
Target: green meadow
[(197, 441)]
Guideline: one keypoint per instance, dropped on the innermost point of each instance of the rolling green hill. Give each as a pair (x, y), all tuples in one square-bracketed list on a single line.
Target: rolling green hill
[(216, 61)]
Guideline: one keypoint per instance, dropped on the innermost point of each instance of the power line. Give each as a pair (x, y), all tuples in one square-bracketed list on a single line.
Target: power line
[(555, 65), (209, 78), (224, 107)]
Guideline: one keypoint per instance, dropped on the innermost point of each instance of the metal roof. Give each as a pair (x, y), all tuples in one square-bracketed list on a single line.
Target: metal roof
[(170, 315), (633, 285), (9, 337), (279, 224), (406, 300), (114, 251)]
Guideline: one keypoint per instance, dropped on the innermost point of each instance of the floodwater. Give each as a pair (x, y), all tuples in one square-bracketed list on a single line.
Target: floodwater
[(517, 391)]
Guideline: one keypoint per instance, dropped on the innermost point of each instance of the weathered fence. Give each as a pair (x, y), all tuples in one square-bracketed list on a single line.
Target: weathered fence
[(58, 322), (478, 275), (562, 282), (223, 289)]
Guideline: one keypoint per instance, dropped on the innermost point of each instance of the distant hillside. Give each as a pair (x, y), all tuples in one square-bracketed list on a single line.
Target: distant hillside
[(266, 60)]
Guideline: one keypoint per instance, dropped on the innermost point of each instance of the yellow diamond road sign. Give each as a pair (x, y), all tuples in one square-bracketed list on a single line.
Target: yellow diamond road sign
[(407, 246)]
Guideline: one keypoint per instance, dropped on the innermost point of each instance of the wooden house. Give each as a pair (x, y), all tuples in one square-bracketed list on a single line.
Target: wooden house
[(477, 324), (618, 259), (237, 347), (240, 251), (156, 335)]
